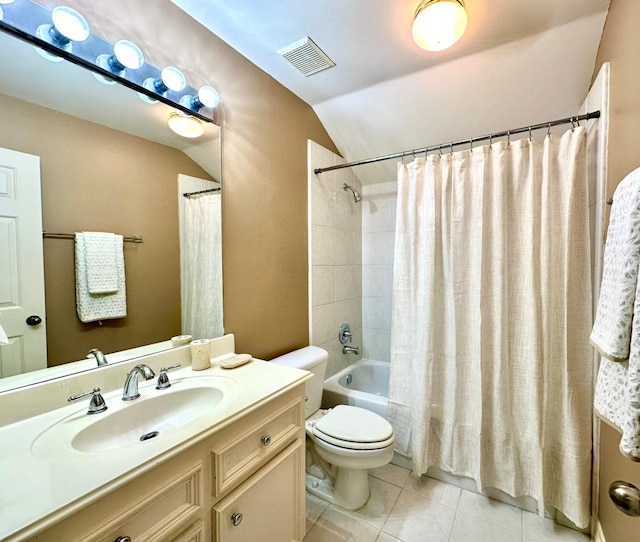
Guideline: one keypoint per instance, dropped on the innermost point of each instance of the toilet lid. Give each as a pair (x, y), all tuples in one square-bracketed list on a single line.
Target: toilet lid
[(353, 424)]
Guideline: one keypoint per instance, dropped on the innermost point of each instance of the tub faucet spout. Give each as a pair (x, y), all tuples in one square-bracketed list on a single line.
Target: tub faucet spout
[(351, 350)]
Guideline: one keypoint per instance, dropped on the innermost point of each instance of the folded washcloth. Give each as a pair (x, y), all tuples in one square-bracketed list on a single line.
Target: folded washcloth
[(104, 306), (611, 333), (103, 251)]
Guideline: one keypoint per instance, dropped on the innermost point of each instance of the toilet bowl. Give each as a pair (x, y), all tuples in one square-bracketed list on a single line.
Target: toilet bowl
[(342, 442)]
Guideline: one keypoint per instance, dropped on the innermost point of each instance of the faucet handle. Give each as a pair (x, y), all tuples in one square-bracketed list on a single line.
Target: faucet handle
[(96, 404), (163, 379)]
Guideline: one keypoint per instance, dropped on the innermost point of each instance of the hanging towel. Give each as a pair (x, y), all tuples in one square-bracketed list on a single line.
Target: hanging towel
[(103, 252), (616, 333), (99, 306)]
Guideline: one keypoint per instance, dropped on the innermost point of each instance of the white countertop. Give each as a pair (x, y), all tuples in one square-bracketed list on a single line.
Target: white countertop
[(36, 489)]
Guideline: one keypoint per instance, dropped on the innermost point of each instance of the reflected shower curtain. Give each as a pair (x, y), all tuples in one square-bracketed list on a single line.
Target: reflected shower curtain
[(490, 361), (202, 287)]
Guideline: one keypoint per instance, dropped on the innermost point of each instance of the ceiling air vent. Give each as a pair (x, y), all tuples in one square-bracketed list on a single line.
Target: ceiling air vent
[(306, 56)]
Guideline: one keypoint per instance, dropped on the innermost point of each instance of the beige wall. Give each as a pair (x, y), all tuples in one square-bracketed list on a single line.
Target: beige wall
[(98, 179), (621, 47), (265, 131)]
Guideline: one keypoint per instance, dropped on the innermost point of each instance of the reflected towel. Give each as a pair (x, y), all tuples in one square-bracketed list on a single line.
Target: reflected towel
[(102, 306), (103, 252), (616, 334)]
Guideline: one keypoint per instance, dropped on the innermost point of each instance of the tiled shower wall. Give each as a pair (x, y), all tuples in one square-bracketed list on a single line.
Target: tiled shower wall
[(335, 257)]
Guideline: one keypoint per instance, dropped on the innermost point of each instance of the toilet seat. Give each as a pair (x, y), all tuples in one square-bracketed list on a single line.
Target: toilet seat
[(353, 428)]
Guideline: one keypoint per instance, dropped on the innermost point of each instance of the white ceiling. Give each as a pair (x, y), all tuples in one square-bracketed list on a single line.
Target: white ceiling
[(520, 62)]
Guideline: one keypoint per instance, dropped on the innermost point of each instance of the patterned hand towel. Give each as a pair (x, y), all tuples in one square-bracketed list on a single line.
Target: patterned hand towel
[(103, 251), (616, 334), (93, 307)]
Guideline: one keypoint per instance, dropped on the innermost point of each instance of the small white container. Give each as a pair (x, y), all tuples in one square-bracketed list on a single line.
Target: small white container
[(200, 354), (180, 340)]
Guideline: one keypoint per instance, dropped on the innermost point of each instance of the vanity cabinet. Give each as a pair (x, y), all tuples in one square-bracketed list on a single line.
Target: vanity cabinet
[(244, 482)]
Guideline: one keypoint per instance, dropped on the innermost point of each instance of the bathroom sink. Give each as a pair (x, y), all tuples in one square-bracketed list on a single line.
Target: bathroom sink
[(156, 414)]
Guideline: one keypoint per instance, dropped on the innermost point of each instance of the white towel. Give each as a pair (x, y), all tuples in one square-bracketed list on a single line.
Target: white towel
[(616, 333), (104, 306), (103, 251)]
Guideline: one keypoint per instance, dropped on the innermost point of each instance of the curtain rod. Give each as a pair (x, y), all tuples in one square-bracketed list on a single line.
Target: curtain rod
[(470, 141), (49, 234), (209, 190)]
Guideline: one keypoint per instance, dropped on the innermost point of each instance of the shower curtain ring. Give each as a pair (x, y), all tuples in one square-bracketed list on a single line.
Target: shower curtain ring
[(471, 144), (508, 137), (451, 147), (490, 140), (548, 129), (440, 149), (573, 124), (530, 137)]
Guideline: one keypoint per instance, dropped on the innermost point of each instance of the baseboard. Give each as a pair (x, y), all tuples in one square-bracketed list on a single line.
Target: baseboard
[(599, 534)]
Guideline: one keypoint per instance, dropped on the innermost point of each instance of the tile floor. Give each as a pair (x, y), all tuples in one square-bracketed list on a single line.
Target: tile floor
[(407, 508)]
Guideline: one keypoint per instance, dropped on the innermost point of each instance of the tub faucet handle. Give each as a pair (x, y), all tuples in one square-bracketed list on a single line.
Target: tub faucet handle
[(345, 334)]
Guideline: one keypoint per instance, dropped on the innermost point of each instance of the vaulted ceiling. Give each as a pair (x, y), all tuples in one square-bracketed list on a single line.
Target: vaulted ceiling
[(520, 62)]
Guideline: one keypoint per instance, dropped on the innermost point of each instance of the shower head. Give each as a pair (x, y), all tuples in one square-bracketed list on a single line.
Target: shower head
[(356, 195)]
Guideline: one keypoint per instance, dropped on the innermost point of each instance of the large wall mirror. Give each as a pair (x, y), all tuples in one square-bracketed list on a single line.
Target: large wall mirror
[(108, 162)]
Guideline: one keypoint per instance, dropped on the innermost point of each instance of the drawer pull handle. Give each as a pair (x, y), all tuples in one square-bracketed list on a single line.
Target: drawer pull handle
[(123, 539), (236, 519), (266, 440)]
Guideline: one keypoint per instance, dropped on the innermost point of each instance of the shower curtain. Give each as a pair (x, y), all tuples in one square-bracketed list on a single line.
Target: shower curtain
[(490, 360), (201, 302)]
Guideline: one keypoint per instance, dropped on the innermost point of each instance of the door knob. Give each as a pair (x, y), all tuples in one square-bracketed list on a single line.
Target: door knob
[(34, 320), (626, 497)]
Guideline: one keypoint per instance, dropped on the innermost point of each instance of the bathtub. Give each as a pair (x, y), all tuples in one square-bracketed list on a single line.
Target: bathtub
[(364, 384)]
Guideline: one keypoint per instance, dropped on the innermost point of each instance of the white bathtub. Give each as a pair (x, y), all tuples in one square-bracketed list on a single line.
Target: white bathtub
[(367, 387)]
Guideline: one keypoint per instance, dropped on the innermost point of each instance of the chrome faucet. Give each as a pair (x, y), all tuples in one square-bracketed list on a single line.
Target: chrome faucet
[(351, 350), (130, 391), (100, 357)]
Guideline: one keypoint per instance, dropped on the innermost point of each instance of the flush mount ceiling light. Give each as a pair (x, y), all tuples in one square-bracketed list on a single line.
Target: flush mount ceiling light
[(438, 24), (67, 26), (185, 126)]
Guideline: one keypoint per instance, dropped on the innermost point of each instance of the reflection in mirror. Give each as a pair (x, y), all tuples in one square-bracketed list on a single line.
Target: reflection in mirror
[(107, 162)]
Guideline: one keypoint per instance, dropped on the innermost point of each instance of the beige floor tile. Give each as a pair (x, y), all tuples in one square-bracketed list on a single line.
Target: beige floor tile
[(466, 528), (434, 489), (336, 526), (315, 508), (481, 507), (391, 473), (537, 529), (415, 518), (376, 511), (384, 537)]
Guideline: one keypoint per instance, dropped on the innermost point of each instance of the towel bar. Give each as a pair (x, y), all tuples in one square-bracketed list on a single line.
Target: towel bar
[(48, 234)]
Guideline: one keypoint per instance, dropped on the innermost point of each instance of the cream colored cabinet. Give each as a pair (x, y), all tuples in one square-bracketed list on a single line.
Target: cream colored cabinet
[(244, 482), (267, 506)]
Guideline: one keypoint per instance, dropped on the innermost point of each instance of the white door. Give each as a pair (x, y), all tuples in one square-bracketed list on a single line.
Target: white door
[(21, 264)]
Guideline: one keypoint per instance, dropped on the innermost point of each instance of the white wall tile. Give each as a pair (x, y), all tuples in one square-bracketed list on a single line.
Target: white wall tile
[(350, 311), (346, 251), (324, 323), (377, 280), (347, 282), (322, 208), (323, 243), (376, 312), (377, 344), (321, 157), (323, 284), (377, 248), (343, 212)]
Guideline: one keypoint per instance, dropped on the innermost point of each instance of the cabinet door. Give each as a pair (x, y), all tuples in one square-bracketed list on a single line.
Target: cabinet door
[(268, 506)]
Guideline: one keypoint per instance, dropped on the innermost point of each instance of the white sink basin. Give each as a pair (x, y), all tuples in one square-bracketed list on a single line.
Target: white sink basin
[(152, 417)]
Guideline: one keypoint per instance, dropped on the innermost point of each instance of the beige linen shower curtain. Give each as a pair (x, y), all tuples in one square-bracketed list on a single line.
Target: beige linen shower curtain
[(201, 302), (490, 360)]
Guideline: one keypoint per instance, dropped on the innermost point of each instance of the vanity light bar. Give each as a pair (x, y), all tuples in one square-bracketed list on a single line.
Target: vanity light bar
[(22, 18)]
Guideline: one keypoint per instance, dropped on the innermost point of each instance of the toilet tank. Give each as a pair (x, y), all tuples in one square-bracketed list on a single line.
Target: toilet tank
[(313, 359)]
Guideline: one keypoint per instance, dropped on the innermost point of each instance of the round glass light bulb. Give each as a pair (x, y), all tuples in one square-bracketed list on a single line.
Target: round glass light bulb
[(70, 23), (128, 54), (208, 96), (174, 79), (185, 126), (439, 25)]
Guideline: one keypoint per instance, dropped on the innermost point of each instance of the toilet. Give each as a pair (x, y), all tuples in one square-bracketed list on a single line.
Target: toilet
[(342, 442)]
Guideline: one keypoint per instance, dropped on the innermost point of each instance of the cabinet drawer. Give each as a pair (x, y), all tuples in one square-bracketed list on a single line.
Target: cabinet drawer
[(265, 437), (159, 516)]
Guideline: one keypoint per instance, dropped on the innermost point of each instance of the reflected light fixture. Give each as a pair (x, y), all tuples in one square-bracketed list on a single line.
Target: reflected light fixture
[(170, 79), (126, 55), (67, 26), (206, 97), (1, 10), (185, 125), (438, 24)]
